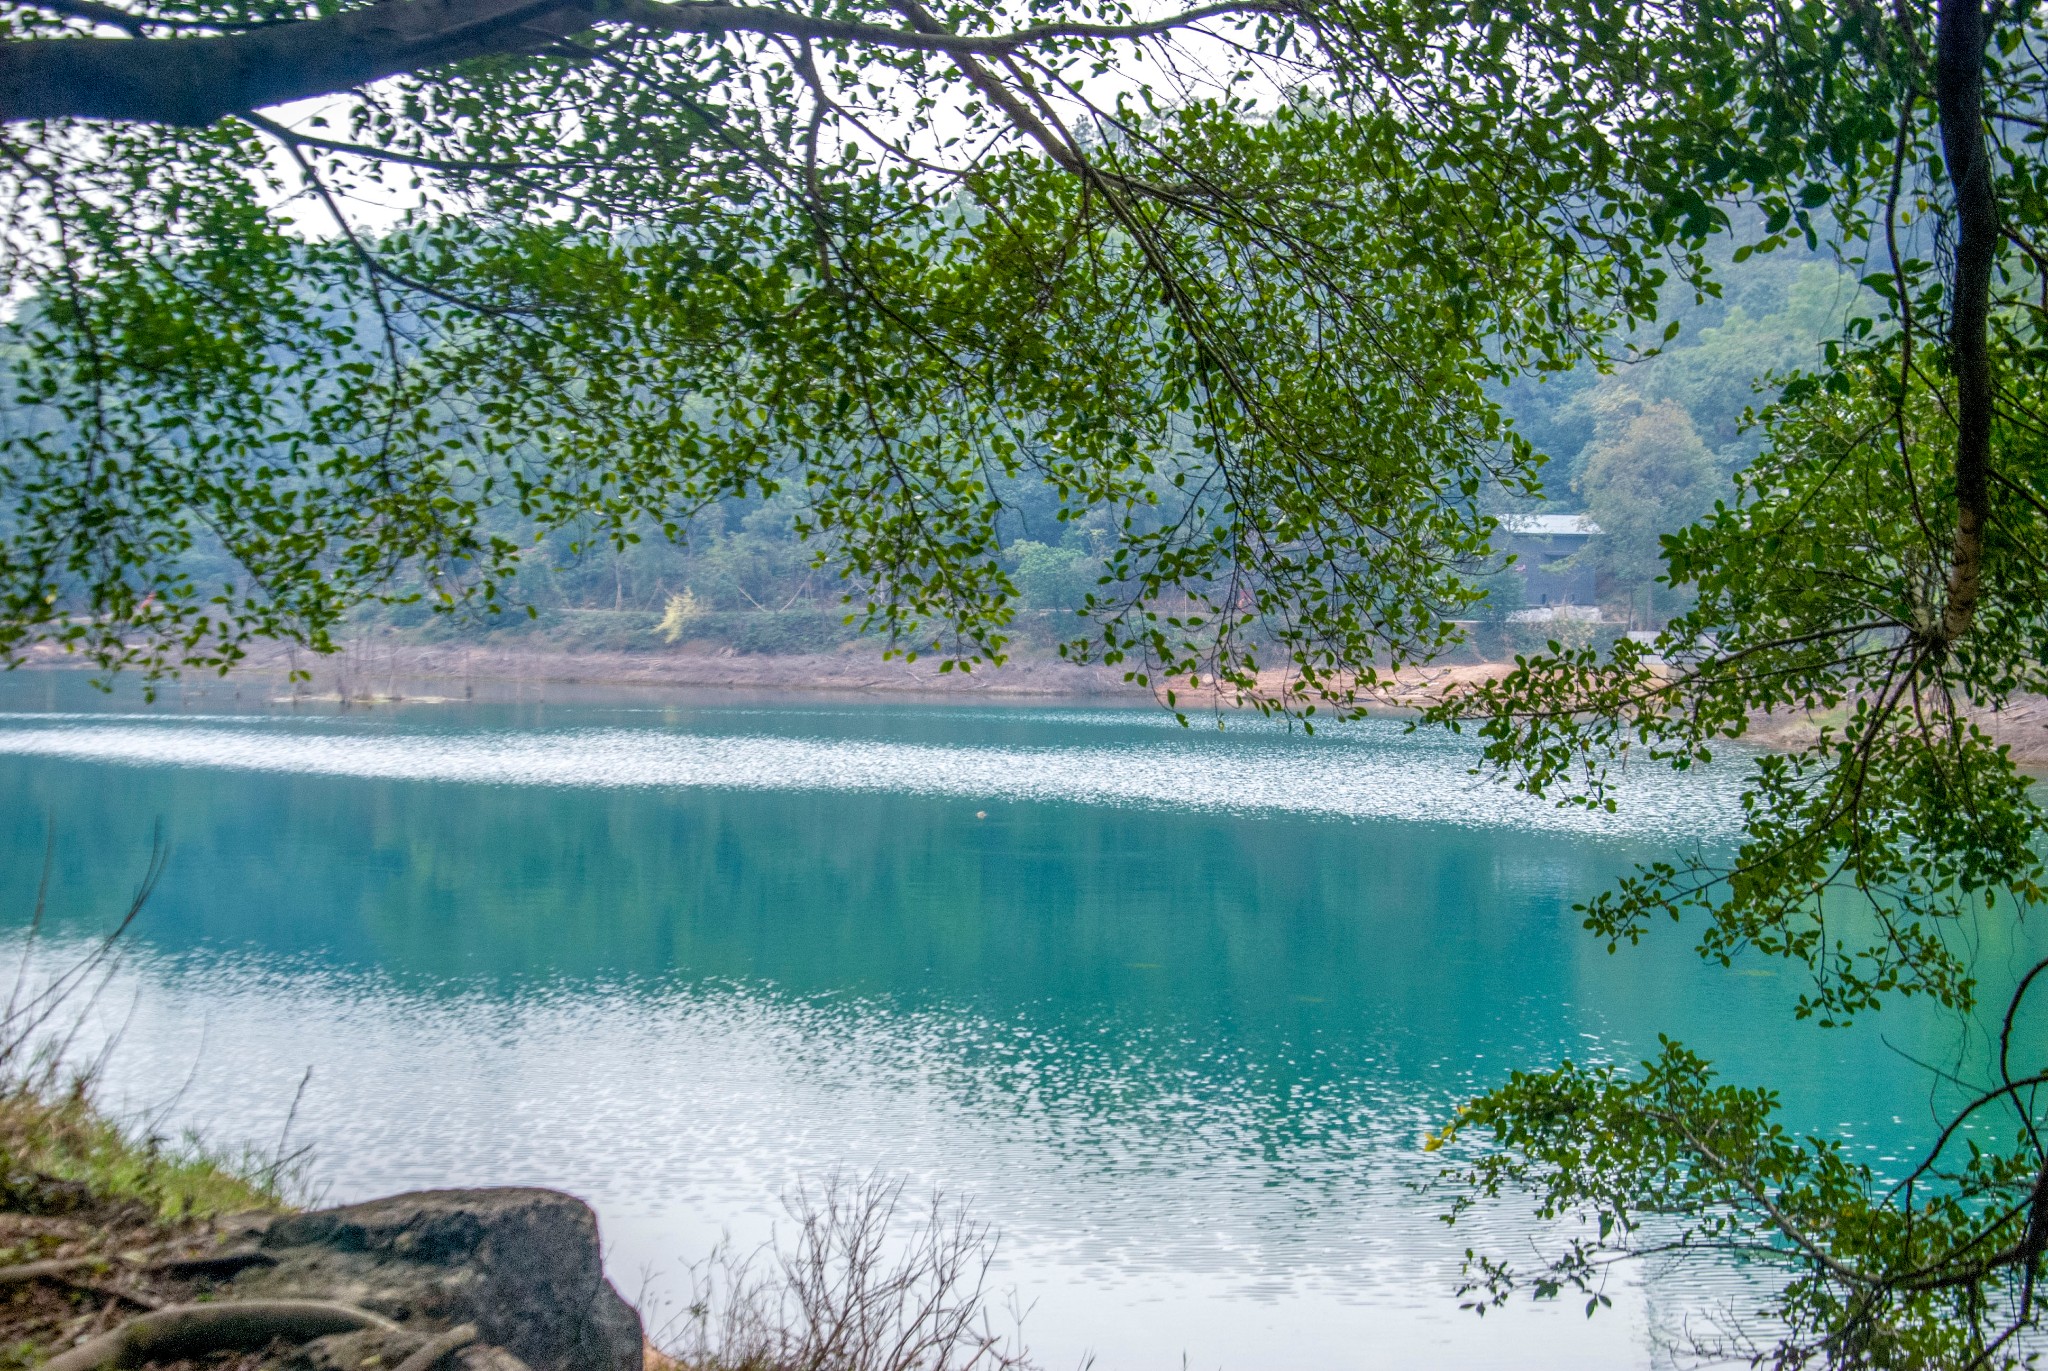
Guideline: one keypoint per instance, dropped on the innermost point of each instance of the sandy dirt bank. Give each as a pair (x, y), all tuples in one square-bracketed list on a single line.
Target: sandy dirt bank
[(2022, 726), (379, 669), (389, 669)]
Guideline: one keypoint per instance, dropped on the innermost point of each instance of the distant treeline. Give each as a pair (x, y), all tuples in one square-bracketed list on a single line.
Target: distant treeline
[(1644, 449)]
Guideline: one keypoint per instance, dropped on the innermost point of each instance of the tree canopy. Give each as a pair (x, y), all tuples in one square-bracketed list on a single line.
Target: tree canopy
[(1236, 276)]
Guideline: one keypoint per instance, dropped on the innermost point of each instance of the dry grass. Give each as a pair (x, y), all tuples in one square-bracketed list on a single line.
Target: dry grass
[(860, 1281)]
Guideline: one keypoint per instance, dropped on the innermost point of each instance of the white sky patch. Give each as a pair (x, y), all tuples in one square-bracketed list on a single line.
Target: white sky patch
[(376, 195)]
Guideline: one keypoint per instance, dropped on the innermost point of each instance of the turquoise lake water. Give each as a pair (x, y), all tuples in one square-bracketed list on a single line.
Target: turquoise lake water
[(1173, 1007)]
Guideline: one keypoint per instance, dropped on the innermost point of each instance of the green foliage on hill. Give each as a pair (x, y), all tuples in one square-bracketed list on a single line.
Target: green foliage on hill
[(1647, 446)]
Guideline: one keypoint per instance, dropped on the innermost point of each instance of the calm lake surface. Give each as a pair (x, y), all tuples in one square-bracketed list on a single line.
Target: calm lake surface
[(1174, 1007)]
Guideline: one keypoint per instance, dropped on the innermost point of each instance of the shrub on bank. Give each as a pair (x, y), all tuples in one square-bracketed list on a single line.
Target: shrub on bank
[(863, 1278), (1501, 642), (771, 634), (765, 632)]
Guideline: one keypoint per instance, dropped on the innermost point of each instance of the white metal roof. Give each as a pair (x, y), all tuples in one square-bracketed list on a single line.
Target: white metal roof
[(1550, 525)]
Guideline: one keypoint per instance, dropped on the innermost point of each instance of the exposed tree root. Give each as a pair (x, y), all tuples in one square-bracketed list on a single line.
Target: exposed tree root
[(84, 1272), (194, 1330), (61, 1268), (55, 1269), (123, 1293), (222, 1263), (430, 1353)]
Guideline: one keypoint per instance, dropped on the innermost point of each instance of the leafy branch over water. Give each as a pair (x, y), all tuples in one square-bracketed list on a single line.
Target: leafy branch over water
[(1882, 560)]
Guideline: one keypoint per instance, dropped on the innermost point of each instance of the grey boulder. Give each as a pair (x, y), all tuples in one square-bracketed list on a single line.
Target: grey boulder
[(521, 1264)]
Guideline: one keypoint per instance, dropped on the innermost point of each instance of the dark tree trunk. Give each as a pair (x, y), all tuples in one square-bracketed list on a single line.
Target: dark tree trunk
[(1960, 36)]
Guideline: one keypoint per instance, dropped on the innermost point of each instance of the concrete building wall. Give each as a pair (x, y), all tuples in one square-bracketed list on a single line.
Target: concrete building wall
[(1549, 576)]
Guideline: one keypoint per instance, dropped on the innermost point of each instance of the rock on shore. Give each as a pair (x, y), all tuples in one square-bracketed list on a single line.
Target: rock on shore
[(522, 1265)]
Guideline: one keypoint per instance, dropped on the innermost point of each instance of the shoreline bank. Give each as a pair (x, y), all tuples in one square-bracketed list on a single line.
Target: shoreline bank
[(391, 671), (372, 669), (371, 673)]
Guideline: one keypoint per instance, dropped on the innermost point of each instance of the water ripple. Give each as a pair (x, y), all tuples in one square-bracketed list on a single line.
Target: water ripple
[(1363, 776)]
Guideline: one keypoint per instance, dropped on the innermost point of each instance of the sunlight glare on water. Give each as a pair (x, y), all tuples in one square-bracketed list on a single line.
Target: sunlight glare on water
[(1370, 770)]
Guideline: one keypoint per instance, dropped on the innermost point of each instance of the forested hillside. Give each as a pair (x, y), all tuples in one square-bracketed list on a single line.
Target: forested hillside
[(1645, 448), (1648, 447)]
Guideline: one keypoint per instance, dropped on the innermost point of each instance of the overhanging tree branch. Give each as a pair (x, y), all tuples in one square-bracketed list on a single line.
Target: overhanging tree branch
[(194, 80)]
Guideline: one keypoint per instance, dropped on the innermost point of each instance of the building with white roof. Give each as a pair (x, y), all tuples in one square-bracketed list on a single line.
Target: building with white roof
[(1546, 549)]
